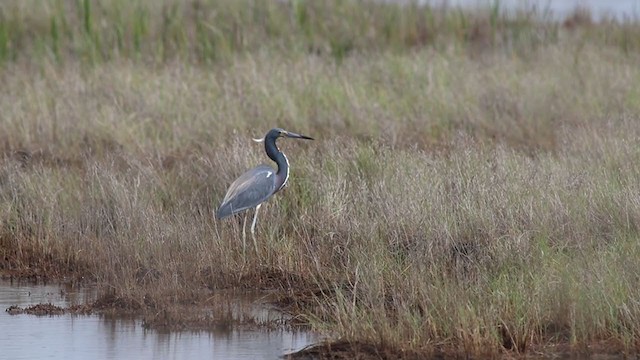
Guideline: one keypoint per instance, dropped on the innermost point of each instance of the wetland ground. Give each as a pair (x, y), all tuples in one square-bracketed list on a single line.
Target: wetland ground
[(472, 191)]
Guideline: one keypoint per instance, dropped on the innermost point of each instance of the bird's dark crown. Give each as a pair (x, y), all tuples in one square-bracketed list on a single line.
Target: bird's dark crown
[(275, 133)]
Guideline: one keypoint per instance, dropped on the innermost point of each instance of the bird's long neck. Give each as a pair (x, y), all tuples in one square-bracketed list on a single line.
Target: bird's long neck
[(282, 175)]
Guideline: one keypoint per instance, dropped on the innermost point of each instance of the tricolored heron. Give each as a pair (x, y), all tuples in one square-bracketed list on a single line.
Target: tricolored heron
[(257, 185)]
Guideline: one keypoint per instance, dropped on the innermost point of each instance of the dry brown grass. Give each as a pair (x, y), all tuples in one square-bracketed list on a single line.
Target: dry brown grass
[(483, 201)]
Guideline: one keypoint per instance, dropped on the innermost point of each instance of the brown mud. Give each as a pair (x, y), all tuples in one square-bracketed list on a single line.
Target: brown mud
[(49, 309), (21, 263), (340, 350)]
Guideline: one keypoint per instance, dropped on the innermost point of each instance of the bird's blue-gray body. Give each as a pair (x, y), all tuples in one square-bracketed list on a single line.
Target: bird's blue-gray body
[(249, 190), (260, 183)]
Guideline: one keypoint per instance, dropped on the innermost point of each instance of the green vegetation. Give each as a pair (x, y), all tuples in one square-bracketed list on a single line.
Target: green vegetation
[(206, 31), (473, 186)]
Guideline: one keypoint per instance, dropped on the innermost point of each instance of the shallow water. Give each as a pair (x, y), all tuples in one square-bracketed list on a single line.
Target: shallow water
[(618, 9), (101, 337)]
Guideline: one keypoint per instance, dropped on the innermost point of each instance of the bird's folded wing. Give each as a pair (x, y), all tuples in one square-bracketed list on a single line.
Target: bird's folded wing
[(250, 189)]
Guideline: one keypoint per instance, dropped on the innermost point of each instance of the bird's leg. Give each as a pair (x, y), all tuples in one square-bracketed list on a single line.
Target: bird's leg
[(253, 227), (244, 236)]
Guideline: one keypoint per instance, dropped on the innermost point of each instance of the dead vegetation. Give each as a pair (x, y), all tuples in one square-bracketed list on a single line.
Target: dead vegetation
[(477, 198)]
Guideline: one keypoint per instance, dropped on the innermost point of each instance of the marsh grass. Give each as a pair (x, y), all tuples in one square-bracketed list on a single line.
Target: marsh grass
[(456, 197), (214, 31)]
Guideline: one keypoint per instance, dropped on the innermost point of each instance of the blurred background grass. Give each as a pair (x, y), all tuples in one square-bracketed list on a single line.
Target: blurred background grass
[(205, 31)]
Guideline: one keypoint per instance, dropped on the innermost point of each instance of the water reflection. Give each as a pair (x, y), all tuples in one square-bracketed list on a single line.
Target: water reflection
[(108, 337)]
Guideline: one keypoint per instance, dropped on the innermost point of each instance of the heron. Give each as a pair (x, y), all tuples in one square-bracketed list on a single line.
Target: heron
[(257, 185)]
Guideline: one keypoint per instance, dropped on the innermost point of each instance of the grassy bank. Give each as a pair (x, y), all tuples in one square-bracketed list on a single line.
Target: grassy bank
[(461, 194)]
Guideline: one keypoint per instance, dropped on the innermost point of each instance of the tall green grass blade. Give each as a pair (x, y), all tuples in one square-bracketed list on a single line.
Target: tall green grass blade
[(55, 38), (87, 17), (5, 38)]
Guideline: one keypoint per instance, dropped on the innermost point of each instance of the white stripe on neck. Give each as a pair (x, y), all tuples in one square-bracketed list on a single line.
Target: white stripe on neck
[(287, 175)]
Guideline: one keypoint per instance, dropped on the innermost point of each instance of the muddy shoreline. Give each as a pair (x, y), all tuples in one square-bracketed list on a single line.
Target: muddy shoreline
[(190, 317)]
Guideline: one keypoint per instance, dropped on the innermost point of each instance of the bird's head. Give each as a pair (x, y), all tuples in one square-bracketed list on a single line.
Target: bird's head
[(277, 132)]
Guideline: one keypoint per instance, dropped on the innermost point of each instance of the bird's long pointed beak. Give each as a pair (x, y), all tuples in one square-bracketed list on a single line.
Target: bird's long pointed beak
[(297, 136)]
